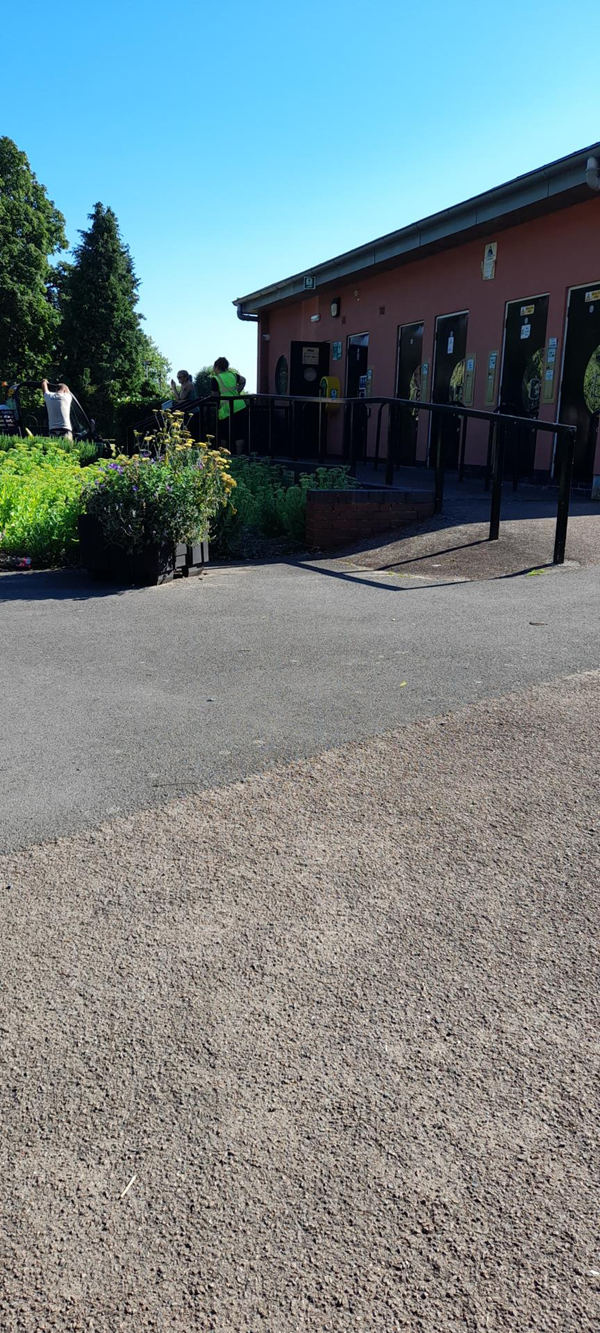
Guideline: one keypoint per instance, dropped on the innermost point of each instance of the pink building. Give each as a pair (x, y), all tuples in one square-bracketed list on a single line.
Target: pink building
[(492, 303)]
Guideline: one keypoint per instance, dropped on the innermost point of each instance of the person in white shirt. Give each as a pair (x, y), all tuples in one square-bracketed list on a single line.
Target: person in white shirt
[(58, 407)]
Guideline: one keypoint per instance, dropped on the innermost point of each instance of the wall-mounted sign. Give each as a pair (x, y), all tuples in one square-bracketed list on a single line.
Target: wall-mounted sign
[(369, 383), (450, 344), (490, 379), (548, 384), (424, 381), (309, 282), (336, 351), (488, 267), (469, 380), (593, 296), (527, 310), (310, 356), (525, 330)]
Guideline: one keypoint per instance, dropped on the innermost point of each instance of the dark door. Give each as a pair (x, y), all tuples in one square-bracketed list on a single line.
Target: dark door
[(357, 365), (309, 362), (522, 374), (408, 385), (448, 379), (580, 391)]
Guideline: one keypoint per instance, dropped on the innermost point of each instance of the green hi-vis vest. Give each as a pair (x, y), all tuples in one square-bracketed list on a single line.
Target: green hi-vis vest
[(228, 385)]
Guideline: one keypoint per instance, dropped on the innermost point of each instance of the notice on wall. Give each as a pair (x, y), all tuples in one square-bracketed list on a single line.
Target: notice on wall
[(310, 356), (469, 381), (490, 382), (488, 267), (593, 296), (450, 344), (527, 310), (549, 381), (525, 330), (336, 351)]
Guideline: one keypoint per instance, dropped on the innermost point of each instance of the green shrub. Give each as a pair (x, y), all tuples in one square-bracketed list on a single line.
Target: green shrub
[(81, 451), (171, 494), (270, 506), (40, 499)]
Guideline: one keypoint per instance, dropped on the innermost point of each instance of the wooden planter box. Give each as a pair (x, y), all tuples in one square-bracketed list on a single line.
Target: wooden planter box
[(153, 565)]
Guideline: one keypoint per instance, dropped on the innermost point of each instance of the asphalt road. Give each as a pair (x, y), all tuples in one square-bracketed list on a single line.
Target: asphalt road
[(119, 701)]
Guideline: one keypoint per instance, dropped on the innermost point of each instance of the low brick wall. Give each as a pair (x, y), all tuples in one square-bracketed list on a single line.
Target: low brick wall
[(337, 518)]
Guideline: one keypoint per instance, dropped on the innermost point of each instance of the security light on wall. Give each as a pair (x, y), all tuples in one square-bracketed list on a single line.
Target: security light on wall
[(334, 308)]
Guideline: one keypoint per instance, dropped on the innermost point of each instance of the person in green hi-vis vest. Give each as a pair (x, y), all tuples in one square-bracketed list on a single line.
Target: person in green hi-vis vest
[(228, 383)]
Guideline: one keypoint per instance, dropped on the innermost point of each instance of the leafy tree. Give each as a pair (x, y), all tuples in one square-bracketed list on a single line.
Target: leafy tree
[(204, 380), (154, 368), (31, 231), (102, 339)]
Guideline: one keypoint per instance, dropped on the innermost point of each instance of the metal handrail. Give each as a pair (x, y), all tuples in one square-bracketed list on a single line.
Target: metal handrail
[(498, 424)]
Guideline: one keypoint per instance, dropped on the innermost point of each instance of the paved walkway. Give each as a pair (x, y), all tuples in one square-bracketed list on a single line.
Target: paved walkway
[(121, 700), (316, 1051), (454, 545)]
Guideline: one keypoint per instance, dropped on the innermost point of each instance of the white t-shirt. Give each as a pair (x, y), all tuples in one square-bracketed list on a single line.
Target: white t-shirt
[(58, 407)]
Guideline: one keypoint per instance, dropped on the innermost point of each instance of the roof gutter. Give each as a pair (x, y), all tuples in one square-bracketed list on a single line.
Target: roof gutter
[(592, 173), (242, 314)]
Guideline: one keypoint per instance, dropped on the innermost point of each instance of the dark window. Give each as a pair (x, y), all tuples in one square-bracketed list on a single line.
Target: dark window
[(281, 375)]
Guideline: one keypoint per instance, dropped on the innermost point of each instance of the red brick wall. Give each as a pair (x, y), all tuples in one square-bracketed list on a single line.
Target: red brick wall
[(337, 518)]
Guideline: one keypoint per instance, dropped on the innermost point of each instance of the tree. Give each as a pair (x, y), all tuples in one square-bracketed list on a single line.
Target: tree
[(102, 340), (31, 231), (155, 369)]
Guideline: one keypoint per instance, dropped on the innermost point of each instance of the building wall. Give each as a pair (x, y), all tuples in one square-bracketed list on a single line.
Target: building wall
[(547, 255)]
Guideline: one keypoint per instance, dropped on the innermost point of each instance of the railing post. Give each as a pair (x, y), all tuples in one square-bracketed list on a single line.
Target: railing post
[(294, 428), (352, 442), (378, 436), (498, 472), (389, 462), (488, 462), (439, 464), (463, 447), (564, 495)]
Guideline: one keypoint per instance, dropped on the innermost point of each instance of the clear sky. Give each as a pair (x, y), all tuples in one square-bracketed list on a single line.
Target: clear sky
[(240, 143)]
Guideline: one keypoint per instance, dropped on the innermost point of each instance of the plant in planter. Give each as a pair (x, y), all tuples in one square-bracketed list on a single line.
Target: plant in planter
[(141, 515)]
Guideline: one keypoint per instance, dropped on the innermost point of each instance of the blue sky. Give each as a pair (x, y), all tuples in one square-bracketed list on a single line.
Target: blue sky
[(241, 143)]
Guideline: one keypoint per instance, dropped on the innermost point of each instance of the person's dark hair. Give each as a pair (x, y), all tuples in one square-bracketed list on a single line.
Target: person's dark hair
[(221, 363)]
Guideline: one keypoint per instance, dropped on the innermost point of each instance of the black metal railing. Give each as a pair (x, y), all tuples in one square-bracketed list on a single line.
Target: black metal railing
[(295, 429)]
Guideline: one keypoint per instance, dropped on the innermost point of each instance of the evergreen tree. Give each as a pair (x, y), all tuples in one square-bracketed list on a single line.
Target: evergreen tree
[(31, 230), (102, 339)]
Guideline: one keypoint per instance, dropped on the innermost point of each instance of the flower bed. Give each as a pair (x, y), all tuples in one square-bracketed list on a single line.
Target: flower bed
[(143, 508)]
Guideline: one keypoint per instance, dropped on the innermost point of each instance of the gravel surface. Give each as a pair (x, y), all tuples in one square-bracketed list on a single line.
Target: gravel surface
[(318, 1050)]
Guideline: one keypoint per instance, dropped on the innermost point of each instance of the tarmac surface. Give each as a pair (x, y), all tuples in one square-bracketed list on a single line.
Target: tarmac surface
[(318, 1050), (114, 701)]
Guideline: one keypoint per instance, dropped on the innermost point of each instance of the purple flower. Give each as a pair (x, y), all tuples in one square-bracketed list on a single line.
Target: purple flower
[(135, 488)]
